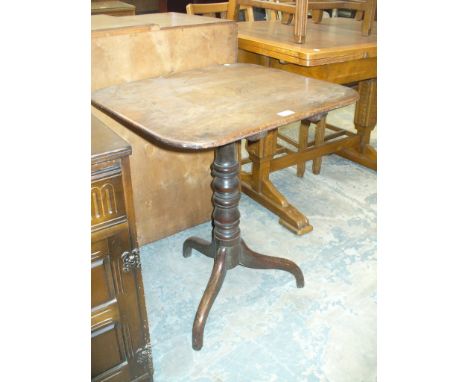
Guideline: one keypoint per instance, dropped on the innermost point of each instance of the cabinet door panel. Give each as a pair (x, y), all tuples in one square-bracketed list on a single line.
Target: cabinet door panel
[(119, 346), (109, 340), (131, 302), (102, 285), (106, 352)]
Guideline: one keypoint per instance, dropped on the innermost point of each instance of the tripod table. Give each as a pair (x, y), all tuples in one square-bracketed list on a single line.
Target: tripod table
[(215, 107)]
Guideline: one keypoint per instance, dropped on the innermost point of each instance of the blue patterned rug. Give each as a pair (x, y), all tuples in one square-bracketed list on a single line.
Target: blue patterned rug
[(261, 327)]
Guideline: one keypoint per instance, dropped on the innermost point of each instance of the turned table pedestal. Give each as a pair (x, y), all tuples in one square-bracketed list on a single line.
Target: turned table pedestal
[(215, 107)]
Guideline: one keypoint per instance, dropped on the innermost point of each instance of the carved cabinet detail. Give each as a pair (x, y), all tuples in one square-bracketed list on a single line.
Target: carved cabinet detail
[(120, 343)]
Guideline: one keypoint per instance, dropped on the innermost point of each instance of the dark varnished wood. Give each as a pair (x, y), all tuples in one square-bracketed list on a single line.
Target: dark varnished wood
[(120, 343), (227, 247), (221, 103), (214, 285), (252, 259), (201, 245)]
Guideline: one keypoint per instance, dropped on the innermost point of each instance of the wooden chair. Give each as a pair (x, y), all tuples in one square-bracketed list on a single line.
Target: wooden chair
[(285, 15), (218, 10), (274, 10), (285, 10), (221, 10), (298, 10), (230, 10), (365, 11)]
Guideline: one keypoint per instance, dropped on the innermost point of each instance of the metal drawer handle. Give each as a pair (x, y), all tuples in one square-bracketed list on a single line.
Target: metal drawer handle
[(131, 260)]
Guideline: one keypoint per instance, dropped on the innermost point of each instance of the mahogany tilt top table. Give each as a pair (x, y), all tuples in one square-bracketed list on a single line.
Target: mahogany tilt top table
[(214, 107)]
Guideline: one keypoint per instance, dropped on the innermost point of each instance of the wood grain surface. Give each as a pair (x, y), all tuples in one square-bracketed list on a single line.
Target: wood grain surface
[(333, 40), (217, 105)]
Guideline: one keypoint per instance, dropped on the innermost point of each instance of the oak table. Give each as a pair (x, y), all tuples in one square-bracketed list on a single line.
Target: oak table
[(215, 107), (335, 51)]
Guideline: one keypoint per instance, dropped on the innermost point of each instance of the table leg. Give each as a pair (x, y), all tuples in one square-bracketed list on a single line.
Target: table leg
[(258, 186), (365, 120), (226, 247), (319, 139), (317, 15), (303, 141), (302, 145)]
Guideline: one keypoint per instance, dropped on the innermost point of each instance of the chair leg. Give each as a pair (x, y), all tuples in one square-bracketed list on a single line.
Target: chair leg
[(319, 139)]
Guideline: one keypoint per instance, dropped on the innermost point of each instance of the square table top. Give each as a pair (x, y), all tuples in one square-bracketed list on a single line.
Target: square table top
[(217, 105), (333, 40)]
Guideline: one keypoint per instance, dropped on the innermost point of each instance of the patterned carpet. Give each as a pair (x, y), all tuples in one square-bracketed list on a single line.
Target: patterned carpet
[(261, 327)]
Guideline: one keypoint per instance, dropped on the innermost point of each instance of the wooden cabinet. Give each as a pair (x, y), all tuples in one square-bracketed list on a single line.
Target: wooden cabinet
[(120, 343)]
